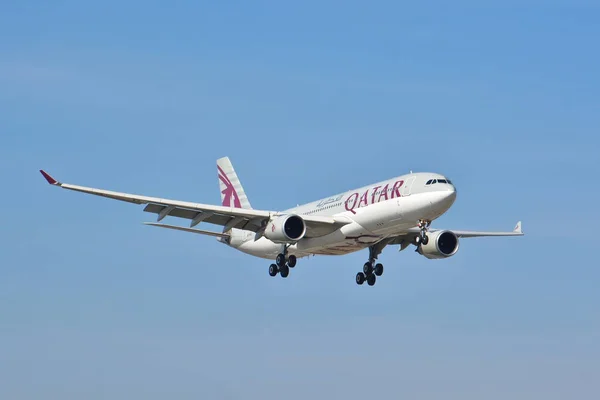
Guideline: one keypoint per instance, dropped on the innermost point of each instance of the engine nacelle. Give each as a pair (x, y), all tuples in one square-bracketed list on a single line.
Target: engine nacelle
[(441, 244), (285, 229)]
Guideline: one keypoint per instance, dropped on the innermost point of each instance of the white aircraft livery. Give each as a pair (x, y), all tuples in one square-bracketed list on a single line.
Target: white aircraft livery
[(398, 211)]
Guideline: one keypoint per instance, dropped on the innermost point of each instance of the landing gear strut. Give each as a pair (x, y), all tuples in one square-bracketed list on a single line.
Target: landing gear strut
[(283, 263), (372, 270), (422, 238)]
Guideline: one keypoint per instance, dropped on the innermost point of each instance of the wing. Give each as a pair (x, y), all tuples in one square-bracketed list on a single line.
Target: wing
[(517, 231), (405, 239), (228, 217)]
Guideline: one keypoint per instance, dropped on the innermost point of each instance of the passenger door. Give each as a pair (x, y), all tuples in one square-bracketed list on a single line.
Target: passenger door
[(406, 188)]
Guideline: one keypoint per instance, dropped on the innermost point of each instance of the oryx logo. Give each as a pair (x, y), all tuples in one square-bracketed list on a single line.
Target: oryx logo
[(272, 227), (229, 191)]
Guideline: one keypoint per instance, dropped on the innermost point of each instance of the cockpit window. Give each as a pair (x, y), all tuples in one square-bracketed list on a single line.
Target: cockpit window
[(434, 181)]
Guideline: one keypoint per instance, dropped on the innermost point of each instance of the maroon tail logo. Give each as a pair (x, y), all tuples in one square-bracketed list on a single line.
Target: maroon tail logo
[(229, 191)]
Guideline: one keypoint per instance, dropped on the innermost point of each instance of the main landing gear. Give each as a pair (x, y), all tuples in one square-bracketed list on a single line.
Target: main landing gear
[(283, 263), (372, 270), (369, 273)]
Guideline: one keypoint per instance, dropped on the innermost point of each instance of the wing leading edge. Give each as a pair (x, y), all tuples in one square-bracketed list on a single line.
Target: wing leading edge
[(228, 217)]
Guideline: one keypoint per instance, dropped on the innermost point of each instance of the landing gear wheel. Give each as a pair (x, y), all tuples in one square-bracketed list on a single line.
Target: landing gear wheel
[(284, 271), (371, 279), (360, 278), (368, 269), (273, 270), (379, 269), (291, 261), (425, 240), (280, 260), (418, 240)]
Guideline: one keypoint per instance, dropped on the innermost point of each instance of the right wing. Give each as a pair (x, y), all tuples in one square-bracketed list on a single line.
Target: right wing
[(228, 217)]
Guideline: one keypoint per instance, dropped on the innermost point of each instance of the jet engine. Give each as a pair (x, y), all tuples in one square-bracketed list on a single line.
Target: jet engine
[(285, 229), (441, 244)]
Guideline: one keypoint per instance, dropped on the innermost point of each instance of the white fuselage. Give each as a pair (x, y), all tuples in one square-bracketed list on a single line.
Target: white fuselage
[(375, 212)]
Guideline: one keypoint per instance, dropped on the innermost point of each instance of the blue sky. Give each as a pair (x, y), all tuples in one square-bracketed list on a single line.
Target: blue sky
[(307, 99)]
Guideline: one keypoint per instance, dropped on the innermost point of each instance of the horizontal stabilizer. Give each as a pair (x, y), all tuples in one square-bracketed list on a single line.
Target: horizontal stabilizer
[(185, 229)]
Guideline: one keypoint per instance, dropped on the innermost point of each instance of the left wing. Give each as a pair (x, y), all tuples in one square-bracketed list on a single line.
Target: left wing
[(228, 217)]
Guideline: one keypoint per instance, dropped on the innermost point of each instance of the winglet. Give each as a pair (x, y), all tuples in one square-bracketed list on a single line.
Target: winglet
[(50, 179), (518, 228)]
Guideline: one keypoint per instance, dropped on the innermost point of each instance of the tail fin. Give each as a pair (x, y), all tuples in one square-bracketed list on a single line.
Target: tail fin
[(232, 192)]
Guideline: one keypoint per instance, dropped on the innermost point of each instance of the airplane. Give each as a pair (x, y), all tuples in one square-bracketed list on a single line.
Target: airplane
[(397, 211)]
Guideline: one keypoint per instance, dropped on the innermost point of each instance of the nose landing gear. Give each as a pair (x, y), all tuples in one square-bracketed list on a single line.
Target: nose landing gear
[(422, 238)]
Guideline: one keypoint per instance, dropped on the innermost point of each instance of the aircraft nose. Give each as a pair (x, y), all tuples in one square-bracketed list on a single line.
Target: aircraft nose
[(447, 196), (451, 192)]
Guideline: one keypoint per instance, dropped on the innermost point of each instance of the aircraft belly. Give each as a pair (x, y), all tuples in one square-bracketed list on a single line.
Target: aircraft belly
[(263, 248), (340, 249)]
